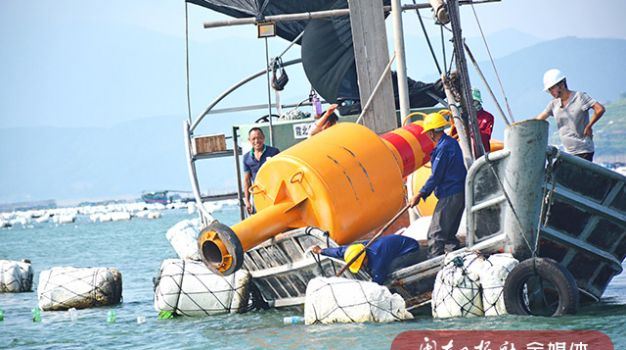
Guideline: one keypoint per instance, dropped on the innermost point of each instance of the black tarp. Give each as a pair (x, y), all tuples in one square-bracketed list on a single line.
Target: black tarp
[(327, 49)]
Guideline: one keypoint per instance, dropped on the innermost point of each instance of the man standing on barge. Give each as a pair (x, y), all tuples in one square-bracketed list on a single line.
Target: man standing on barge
[(252, 162), (571, 111), (448, 182)]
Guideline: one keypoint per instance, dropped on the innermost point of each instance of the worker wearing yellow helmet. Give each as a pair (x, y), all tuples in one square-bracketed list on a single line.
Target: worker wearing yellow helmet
[(383, 256), (447, 181)]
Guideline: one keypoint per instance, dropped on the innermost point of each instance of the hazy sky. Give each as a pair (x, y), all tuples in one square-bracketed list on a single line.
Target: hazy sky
[(97, 63)]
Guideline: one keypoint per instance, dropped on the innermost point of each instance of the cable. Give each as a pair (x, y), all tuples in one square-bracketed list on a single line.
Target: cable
[(430, 46), (187, 60), (493, 64)]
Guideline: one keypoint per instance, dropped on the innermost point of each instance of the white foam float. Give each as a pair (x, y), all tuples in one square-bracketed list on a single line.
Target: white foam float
[(15, 276), (457, 287), (341, 300), (183, 238), (189, 288), (62, 288)]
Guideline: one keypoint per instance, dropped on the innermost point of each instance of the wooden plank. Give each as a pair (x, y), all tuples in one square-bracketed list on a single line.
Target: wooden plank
[(372, 55)]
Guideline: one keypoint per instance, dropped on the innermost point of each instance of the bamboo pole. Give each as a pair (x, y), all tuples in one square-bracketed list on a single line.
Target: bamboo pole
[(343, 269)]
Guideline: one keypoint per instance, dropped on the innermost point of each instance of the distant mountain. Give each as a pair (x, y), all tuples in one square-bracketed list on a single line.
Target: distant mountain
[(76, 163), (501, 43), (148, 154)]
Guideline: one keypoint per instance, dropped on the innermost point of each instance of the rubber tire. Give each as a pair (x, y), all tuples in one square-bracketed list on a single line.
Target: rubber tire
[(548, 270)]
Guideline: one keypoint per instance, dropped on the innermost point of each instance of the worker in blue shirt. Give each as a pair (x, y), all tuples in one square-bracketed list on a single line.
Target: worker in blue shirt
[(252, 162), (448, 182), (385, 255)]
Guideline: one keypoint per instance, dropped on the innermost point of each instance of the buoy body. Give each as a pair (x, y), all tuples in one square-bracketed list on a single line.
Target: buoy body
[(346, 180)]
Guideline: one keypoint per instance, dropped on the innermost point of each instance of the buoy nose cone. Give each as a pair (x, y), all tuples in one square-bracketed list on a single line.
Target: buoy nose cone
[(220, 249)]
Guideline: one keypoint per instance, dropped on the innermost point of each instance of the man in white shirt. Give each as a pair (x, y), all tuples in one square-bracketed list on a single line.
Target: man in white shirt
[(571, 110)]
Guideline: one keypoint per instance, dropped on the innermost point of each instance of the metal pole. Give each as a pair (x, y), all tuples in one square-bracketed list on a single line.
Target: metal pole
[(233, 88), (269, 92), (459, 123), (398, 35), (238, 170), (305, 16), (461, 66), (205, 216)]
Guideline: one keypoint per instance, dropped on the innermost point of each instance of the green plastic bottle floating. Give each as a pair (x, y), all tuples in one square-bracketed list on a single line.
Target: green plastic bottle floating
[(36, 314)]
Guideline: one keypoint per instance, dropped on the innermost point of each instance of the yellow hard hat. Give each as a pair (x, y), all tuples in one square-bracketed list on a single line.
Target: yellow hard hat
[(350, 253), (434, 121)]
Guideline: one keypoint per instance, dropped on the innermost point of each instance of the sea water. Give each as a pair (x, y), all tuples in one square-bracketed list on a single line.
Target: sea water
[(138, 246)]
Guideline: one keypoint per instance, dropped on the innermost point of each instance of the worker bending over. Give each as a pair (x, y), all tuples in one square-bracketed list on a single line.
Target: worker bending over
[(383, 256)]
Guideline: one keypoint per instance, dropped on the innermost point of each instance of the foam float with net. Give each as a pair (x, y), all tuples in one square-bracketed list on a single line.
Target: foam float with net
[(457, 288), (62, 288), (189, 288), (469, 285), (340, 300), (492, 278), (15, 276)]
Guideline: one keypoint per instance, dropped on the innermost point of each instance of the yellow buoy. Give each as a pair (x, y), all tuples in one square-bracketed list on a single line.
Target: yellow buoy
[(346, 180)]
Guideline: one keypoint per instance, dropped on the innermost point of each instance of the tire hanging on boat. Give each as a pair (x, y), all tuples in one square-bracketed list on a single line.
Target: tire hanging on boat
[(555, 281)]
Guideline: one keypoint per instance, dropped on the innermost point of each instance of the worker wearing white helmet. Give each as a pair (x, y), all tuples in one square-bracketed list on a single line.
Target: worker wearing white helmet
[(571, 111)]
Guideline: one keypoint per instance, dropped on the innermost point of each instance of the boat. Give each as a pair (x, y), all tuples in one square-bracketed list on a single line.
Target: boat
[(528, 199), (164, 197), (155, 197)]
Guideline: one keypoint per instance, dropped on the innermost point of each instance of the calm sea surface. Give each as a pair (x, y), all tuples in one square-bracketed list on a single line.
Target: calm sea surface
[(137, 248)]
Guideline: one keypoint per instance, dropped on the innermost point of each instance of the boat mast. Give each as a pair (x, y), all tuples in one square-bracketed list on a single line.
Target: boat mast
[(371, 54), (398, 35), (471, 143)]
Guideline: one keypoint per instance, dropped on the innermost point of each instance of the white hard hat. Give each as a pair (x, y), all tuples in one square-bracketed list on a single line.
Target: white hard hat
[(552, 77)]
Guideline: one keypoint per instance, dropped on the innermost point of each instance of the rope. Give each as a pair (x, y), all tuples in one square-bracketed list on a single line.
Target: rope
[(430, 46), (493, 64), (547, 194), (326, 233), (180, 289), (376, 87), (443, 44)]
